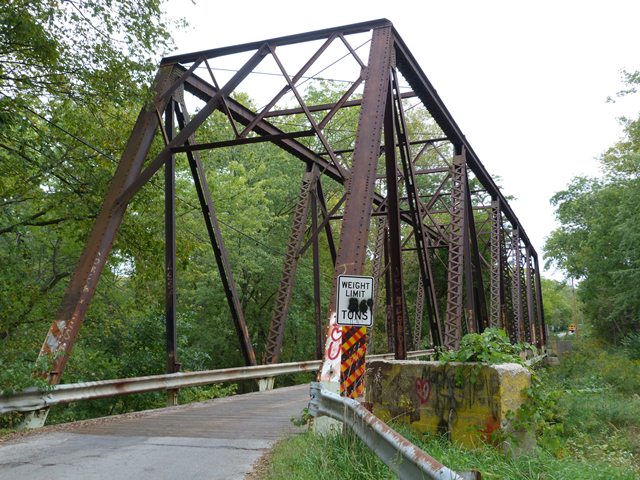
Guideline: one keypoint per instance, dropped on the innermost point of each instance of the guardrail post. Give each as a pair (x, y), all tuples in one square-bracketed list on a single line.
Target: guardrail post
[(35, 419), (266, 383)]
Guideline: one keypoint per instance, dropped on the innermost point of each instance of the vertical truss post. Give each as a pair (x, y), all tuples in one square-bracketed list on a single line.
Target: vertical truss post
[(415, 207), (470, 317), (516, 289), (417, 327), (530, 297), (509, 323), (170, 256), (391, 335), (377, 271), (360, 184), (77, 297), (316, 270), (539, 304), (285, 289), (496, 284), (455, 274), (395, 243), (477, 303), (215, 237), (526, 319)]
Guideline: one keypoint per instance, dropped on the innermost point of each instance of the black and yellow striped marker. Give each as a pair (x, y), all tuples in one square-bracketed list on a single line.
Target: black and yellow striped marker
[(352, 366)]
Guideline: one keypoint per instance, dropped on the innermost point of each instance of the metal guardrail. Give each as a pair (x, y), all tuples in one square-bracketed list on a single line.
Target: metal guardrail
[(33, 399), (404, 458)]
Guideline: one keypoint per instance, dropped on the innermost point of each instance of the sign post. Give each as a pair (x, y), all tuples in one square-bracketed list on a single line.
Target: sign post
[(354, 313)]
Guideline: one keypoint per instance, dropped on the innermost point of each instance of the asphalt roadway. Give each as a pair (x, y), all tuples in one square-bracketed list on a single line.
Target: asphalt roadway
[(217, 439)]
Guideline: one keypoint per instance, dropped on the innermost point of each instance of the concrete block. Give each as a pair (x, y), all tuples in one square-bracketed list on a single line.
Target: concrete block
[(468, 402)]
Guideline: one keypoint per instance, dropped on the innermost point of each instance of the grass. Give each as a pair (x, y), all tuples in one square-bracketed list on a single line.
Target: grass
[(597, 395)]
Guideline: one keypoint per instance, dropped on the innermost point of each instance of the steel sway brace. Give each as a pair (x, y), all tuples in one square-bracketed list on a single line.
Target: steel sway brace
[(404, 458)]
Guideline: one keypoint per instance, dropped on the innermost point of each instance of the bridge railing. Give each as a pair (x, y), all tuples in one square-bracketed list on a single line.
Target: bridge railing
[(33, 399)]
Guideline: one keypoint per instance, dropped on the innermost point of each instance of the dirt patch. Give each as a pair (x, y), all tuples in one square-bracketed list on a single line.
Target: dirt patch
[(261, 467)]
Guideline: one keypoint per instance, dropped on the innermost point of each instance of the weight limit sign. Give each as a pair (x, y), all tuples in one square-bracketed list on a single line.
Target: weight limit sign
[(354, 307)]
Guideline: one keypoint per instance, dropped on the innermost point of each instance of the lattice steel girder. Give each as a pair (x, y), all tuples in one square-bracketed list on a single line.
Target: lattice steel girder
[(531, 308), (455, 275), (516, 289), (497, 282), (285, 290)]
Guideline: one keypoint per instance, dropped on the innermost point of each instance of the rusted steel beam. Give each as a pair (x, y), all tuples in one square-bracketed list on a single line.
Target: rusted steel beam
[(328, 216), (278, 41), (172, 364), (64, 329), (531, 314), (480, 316), (423, 243), (327, 227), (516, 290), (215, 237), (426, 141), (241, 141), (393, 219), (455, 270), (470, 319), (324, 106), (391, 335), (189, 129), (360, 184), (285, 289), (377, 271), (417, 326), (539, 302), (526, 319), (314, 125), (290, 82), (170, 248), (315, 252), (496, 283)]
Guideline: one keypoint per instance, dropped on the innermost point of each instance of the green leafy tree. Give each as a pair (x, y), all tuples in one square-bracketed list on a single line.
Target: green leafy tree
[(598, 240), (558, 304)]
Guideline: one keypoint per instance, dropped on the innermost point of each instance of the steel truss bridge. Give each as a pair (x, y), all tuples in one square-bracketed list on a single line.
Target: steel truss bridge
[(414, 194)]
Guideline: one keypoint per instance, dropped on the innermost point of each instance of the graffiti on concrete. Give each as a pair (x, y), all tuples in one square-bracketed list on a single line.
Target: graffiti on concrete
[(462, 401)]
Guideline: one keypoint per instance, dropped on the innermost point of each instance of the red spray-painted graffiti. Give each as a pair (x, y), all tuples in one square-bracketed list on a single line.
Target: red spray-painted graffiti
[(423, 390), (335, 347)]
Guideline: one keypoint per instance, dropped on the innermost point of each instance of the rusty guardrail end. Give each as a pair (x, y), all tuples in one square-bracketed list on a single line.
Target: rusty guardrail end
[(403, 457)]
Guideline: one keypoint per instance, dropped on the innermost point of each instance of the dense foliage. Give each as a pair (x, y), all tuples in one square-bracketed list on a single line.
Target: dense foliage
[(560, 305), (598, 241), (491, 346), (70, 78)]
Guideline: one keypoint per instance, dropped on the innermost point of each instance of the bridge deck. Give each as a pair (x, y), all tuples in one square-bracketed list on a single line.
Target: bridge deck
[(218, 439)]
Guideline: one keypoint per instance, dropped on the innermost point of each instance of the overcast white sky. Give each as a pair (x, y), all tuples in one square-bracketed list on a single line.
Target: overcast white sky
[(526, 81)]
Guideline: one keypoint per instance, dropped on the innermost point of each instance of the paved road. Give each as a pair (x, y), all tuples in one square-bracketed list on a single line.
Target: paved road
[(218, 439)]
